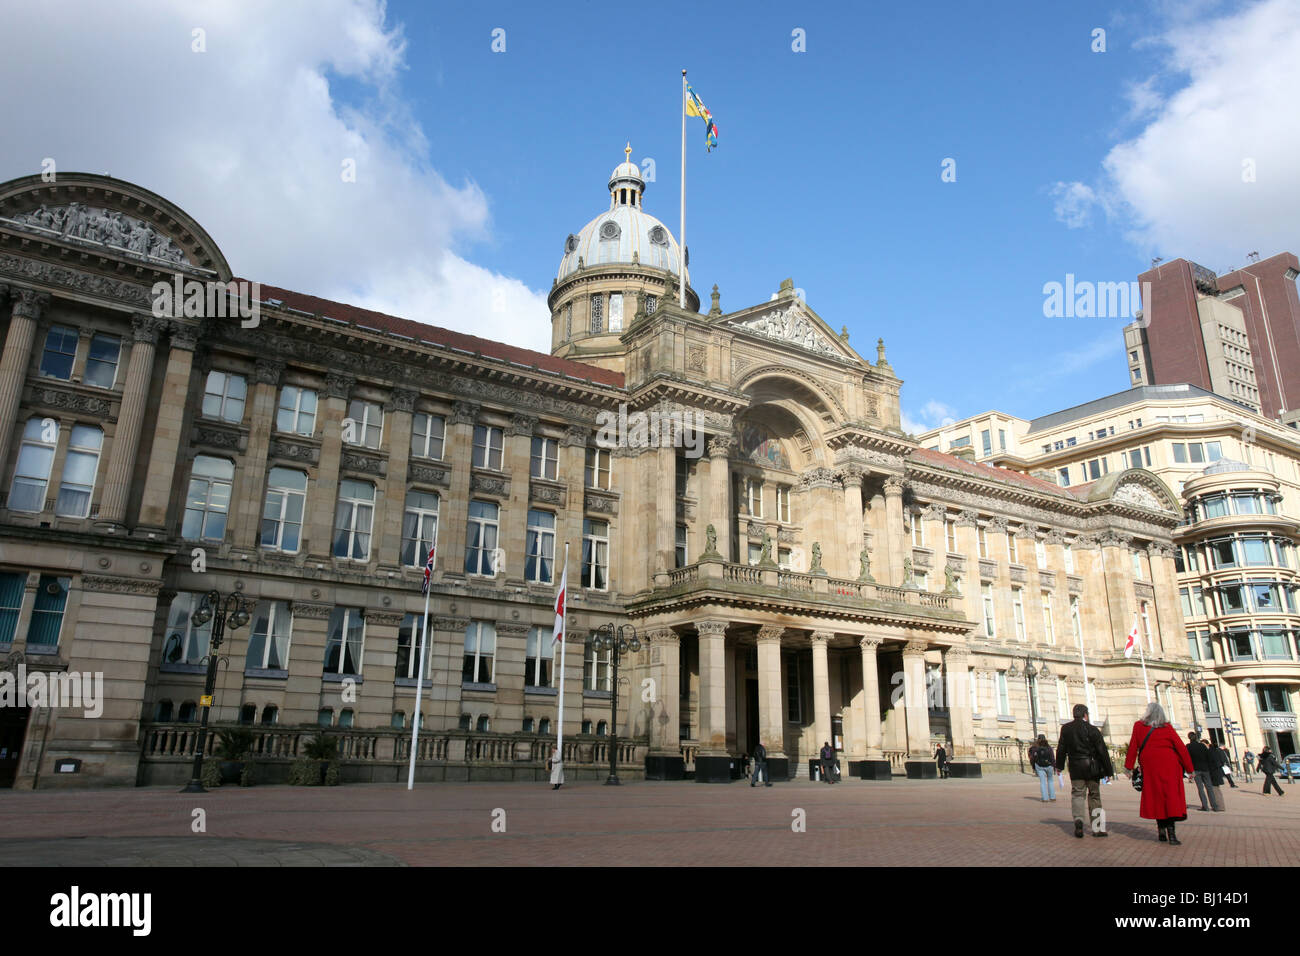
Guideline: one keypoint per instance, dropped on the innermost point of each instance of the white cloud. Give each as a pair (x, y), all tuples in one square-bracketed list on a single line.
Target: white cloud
[(1073, 203), (932, 414), (249, 138), (1227, 107)]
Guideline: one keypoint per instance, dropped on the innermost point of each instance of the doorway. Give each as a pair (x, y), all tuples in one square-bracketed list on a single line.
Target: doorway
[(13, 728)]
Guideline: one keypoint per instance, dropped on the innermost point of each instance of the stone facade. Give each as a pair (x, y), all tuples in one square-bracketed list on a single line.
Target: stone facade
[(797, 568)]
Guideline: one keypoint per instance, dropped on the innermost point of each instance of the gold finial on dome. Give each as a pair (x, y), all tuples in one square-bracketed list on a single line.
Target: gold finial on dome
[(628, 151)]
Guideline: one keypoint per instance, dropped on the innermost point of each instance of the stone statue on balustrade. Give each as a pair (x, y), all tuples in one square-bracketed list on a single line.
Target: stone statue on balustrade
[(816, 559), (864, 566)]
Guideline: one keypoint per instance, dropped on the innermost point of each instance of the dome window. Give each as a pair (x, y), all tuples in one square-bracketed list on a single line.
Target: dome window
[(659, 236), (571, 244), (609, 235), (609, 230)]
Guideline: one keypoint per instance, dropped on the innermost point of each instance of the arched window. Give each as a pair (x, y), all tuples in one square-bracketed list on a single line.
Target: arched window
[(270, 714), (35, 458), (325, 716), (248, 713), (482, 723), (163, 711), (189, 712)]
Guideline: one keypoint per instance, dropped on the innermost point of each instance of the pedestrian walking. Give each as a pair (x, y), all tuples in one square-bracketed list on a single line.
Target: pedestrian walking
[(1083, 750), (1268, 766), (557, 769), (1220, 756), (1043, 760), (941, 760), (1204, 770), (1161, 759), (760, 766), (828, 762), (1247, 765)]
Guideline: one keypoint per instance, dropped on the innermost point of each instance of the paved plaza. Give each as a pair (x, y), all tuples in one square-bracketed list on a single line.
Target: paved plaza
[(997, 821)]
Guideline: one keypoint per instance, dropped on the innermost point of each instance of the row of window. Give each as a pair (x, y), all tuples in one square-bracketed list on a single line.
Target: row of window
[(36, 455), (1236, 551), (1244, 644), (59, 356), (1237, 502), (46, 622), (752, 495), (1047, 611), (1095, 468)]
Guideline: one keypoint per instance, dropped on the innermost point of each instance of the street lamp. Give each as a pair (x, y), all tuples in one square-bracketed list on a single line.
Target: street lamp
[(619, 640), (234, 612), (1031, 676), (1190, 679)]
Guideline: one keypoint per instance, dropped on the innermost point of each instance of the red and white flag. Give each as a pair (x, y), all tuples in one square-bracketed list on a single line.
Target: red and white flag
[(1132, 639), (559, 606), (428, 570)]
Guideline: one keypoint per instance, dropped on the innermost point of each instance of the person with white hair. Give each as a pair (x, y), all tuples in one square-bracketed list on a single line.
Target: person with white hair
[(1160, 759)]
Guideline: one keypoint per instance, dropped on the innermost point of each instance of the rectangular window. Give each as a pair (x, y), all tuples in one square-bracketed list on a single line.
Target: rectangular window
[(409, 639), (185, 643), (207, 501), (595, 554), (597, 468), (1004, 697), (1068, 554), (47, 613), (60, 351), (268, 638), (596, 669), (950, 534), (296, 413), (79, 469), (793, 691), (755, 553), (1062, 700), (1273, 698), (1137, 565), (224, 396), (488, 445), (12, 586), (987, 441), (1013, 549), (364, 425), (616, 312), (754, 497), (427, 435), (419, 527), (1195, 452), (783, 503), (1063, 477), (1210, 699), (682, 474), (1049, 628), (1002, 439), (917, 528), (1213, 451), (1040, 553), (352, 520), (545, 458), (481, 540), (983, 542), (597, 314), (35, 459), (539, 548), (282, 514), (974, 692), (1180, 453), (990, 628), (1018, 605), (680, 551), (345, 638), (480, 653), (101, 362), (1146, 627), (782, 559), (539, 655)]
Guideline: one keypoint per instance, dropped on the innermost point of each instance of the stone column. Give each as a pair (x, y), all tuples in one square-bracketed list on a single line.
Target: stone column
[(130, 418), (1168, 628), (398, 410), (718, 497), (375, 699), (771, 713), (1250, 717), (712, 764), (1121, 601), (820, 518), (250, 473), (517, 458), (876, 766), (304, 686), (27, 308), (568, 520), (968, 545), (821, 686), (664, 761), (894, 531), (957, 663), (914, 690), (665, 519), (323, 498), (168, 427), (852, 476)]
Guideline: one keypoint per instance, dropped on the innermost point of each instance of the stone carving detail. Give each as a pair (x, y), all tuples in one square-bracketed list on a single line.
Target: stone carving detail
[(1027, 531), (426, 475), (600, 504), (695, 358), (998, 524), (968, 519), (521, 425), (464, 413), (403, 399), (739, 364), (217, 437), (817, 478), (915, 648), (338, 384), (486, 485), (786, 535), (870, 644), (789, 325), (1133, 493), (147, 328), (1114, 539), (548, 493), (575, 436), (366, 464), (308, 454), (1018, 574), (1086, 542), (770, 633), (100, 582), (873, 407), (110, 228), (306, 609), (864, 566), (30, 304), (450, 623), (1054, 536), (894, 485), (268, 371), (184, 335), (384, 618), (721, 446), (73, 279), (58, 398), (934, 512)]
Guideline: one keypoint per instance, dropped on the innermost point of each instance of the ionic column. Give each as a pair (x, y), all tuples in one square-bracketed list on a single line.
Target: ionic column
[(323, 498), (168, 427), (665, 664), (914, 691), (871, 696), (718, 504), (894, 530), (713, 687), (771, 723), (28, 305), (821, 686), (130, 418), (250, 474), (852, 476)]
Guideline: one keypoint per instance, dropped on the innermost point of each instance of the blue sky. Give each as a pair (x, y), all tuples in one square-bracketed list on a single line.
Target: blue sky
[(474, 165)]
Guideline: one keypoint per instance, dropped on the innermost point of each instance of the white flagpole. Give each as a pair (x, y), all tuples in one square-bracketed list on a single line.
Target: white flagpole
[(681, 235), (419, 685), (1142, 657), (559, 708)]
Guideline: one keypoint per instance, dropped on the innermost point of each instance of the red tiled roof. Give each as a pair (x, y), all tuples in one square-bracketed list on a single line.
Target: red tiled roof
[(431, 333), (988, 471)]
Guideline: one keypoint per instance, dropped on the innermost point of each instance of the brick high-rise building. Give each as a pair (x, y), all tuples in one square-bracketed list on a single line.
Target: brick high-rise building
[(1236, 334)]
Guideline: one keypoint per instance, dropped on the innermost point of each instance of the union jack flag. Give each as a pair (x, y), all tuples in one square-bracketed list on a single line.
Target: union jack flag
[(428, 571)]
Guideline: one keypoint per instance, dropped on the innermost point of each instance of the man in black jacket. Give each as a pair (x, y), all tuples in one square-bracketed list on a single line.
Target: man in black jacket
[(1268, 766), (1083, 750), (1204, 772), (1220, 756), (760, 766)]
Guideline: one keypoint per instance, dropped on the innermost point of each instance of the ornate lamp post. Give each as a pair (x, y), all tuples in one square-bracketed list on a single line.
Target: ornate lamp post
[(1190, 679), (1031, 678), (232, 611), (618, 640)]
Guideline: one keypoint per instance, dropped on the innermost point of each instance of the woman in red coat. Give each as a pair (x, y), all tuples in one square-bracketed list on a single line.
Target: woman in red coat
[(1164, 760)]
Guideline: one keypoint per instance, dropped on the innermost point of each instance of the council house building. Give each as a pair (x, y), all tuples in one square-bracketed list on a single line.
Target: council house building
[(796, 568)]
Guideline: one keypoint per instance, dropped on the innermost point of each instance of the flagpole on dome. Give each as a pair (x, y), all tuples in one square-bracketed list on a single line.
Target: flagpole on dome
[(419, 675), (681, 235)]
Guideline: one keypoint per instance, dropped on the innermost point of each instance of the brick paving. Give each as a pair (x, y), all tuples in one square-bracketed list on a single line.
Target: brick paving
[(996, 821)]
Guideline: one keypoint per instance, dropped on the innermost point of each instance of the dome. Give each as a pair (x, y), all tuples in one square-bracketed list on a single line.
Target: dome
[(625, 233), (1224, 465)]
